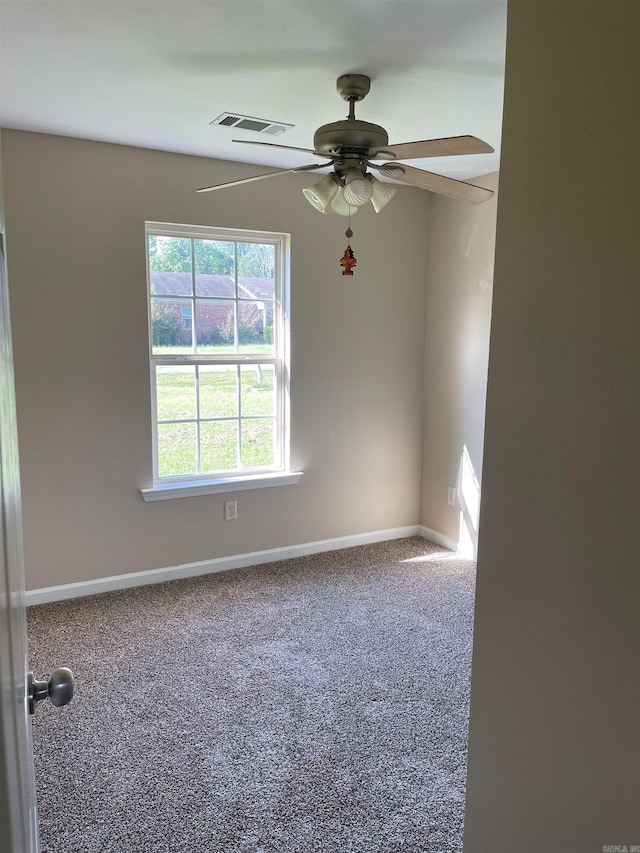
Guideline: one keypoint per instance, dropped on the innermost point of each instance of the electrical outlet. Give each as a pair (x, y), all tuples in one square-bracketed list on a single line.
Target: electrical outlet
[(231, 511), (451, 499)]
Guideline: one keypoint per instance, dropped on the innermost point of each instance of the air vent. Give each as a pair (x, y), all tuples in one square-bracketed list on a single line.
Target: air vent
[(256, 125)]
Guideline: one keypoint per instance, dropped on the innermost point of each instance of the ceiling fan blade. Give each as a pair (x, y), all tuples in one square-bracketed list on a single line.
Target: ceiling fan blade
[(436, 183), (447, 147), (284, 147), (262, 177)]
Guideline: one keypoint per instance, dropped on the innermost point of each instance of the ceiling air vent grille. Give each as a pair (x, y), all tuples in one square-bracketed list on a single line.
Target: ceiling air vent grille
[(256, 125)]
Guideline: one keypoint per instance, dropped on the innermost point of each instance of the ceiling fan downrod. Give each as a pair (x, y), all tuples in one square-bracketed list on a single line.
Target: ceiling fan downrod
[(353, 88)]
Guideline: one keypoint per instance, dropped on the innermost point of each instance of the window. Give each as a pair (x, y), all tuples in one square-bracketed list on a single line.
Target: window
[(186, 315), (218, 331)]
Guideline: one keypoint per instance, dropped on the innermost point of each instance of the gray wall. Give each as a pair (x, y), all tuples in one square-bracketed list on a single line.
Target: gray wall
[(459, 293), (75, 220), (555, 708)]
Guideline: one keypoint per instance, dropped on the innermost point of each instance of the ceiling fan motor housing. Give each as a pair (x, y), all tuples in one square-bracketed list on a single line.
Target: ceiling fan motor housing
[(349, 135)]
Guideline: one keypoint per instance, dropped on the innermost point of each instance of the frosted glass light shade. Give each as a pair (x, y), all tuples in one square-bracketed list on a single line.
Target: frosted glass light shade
[(357, 189), (340, 206), (381, 193), (320, 194), (327, 196)]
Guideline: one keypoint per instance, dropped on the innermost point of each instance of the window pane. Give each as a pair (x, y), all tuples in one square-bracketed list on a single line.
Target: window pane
[(215, 268), (219, 446), (170, 335), (215, 326), (258, 443), (255, 326), (176, 393), (256, 266), (176, 449), (170, 265), (258, 389), (218, 391)]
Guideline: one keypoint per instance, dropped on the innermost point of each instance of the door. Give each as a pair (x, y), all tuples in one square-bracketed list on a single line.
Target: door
[(18, 823), (19, 691)]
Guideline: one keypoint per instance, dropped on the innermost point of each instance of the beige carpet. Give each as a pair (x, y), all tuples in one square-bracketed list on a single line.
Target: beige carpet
[(315, 704)]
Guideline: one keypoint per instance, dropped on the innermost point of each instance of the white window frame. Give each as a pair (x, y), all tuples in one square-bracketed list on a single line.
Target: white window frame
[(189, 485)]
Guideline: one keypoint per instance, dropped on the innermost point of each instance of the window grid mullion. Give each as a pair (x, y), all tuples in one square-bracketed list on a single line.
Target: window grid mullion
[(236, 315), (194, 349), (239, 418), (193, 302), (208, 360), (198, 435)]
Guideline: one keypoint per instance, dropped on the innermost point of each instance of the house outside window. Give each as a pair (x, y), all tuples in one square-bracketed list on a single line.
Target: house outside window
[(218, 343)]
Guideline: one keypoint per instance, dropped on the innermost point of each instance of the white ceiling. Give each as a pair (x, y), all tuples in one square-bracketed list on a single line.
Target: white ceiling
[(154, 73)]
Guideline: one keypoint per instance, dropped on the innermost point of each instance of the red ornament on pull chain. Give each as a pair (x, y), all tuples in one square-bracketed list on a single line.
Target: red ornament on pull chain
[(348, 260)]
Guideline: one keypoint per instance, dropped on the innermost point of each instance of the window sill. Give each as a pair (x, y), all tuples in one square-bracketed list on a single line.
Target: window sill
[(168, 491)]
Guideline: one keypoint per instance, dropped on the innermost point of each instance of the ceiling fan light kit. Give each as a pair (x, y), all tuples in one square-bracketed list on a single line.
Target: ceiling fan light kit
[(329, 196)]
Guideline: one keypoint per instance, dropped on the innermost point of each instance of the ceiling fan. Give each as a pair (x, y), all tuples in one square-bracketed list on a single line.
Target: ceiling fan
[(353, 147)]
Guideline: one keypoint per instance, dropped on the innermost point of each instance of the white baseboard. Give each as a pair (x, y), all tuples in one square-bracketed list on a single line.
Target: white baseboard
[(223, 564), (438, 538)]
